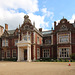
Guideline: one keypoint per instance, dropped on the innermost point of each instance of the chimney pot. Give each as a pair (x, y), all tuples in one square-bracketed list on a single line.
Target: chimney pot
[(54, 24), (6, 27), (40, 29)]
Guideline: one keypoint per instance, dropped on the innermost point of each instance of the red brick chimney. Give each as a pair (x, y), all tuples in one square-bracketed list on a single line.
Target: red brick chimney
[(54, 25), (6, 27), (40, 29)]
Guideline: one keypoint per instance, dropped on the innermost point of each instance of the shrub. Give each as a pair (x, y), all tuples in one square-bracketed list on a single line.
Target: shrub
[(72, 56), (10, 59)]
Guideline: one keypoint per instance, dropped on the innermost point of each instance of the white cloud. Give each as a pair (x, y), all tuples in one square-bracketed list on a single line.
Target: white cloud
[(47, 13), (9, 13), (39, 20), (27, 5), (72, 19)]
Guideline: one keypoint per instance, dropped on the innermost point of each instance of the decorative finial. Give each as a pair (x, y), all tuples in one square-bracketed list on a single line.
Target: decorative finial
[(63, 17), (52, 28), (19, 25), (34, 23), (74, 21)]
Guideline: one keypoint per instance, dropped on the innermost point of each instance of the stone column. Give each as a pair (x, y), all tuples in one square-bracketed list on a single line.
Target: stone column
[(29, 53), (34, 53), (18, 54)]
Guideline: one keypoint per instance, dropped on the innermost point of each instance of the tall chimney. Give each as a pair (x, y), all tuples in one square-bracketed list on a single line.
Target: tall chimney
[(74, 21), (6, 27), (40, 29), (54, 25)]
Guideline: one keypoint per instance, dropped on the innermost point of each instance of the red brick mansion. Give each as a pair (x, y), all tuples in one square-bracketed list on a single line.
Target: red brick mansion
[(29, 44)]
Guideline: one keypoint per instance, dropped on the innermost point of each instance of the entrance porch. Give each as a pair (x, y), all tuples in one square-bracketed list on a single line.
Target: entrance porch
[(24, 51)]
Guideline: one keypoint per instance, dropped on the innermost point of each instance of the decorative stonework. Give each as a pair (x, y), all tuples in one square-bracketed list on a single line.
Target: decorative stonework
[(26, 19)]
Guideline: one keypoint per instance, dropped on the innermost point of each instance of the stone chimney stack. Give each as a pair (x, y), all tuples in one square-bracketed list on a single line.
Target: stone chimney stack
[(74, 21), (1, 30), (34, 24), (40, 29), (54, 25), (6, 27)]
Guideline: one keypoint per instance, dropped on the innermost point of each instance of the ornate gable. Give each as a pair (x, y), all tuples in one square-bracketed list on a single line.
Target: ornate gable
[(27, 25), (64, 25)]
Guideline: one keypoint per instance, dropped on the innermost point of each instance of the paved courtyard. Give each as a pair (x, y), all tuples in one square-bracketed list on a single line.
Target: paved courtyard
[(37, 68)]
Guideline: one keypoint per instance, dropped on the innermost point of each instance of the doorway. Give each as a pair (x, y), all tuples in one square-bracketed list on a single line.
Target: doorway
[(25, 54)]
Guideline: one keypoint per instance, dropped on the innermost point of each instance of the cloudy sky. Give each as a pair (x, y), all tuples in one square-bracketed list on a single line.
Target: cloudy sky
[(43, 12)]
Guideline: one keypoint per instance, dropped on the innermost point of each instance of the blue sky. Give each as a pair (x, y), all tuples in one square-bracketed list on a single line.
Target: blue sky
[(43, 12)]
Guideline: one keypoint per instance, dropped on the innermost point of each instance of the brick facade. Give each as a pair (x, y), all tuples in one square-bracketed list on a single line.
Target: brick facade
[(43, 44)]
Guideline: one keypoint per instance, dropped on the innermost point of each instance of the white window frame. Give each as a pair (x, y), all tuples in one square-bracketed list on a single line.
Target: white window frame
[(14, 52), (45, 53), (8, 51), (3, 54), (4, 42), (38, 53), (63, 38), (65, 49), (25, 37), (38, 40), (16, 41)]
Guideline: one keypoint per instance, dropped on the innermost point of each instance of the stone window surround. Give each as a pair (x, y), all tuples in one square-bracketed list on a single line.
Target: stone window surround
[(15, 41), (69, 39), (27, 36), (37, 53), (5, 41), (12, 53), (47, 54), (6, 53), (3, 53), (63, 48)]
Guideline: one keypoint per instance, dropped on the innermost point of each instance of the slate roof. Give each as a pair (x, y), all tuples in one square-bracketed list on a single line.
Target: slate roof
[(11, 31), (47, 32)]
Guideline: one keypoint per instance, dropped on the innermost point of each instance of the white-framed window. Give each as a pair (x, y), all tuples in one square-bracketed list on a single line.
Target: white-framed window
[(3, 53), (14, 53), (38, 40), (16, 41), (4, 42), (63, 38), (64, 52), (25, 37), (28, 37), (38, 53), (46, 53), (47, 41), (8, 53)]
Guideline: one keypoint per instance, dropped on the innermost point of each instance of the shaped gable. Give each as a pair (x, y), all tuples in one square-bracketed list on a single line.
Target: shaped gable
[(64, 25), (27, 25)]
